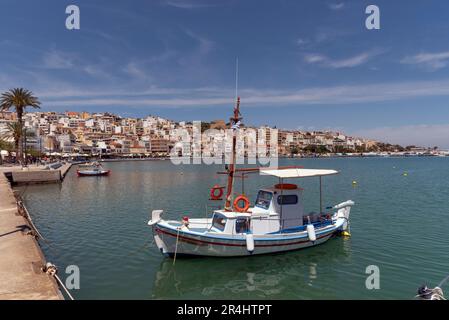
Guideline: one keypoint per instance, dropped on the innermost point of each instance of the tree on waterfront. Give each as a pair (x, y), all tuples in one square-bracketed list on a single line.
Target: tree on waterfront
[(342, 149), (294, 150), (313, 148), (20, 99), (13, 132), (5, 144)]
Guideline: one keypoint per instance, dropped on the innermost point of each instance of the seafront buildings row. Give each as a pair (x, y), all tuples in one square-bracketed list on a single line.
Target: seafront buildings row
[(110, 135)]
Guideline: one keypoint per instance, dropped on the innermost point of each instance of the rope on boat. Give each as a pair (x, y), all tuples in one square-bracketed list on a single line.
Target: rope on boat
[(34, 231), (425, 293), (176, 247), (52, 270), (349, 224), (49, 268), (27, 216), (443, 282)]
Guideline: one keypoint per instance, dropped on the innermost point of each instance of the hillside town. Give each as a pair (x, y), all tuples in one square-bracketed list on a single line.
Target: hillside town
[(84, 134)]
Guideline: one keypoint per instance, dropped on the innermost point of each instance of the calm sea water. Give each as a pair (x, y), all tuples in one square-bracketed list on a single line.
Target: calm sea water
[(400, 223)]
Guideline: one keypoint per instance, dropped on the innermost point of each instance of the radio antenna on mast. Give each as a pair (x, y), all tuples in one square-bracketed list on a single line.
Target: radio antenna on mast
[(236, 77), (234, 122)]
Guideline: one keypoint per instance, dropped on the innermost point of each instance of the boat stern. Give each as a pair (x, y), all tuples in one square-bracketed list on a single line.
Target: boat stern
[(343, 213)]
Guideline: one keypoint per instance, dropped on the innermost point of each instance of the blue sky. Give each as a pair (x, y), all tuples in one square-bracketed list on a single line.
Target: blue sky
[(303, 64)]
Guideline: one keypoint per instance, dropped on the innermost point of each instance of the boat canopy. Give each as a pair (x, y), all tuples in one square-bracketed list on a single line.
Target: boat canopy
[(297, 173)]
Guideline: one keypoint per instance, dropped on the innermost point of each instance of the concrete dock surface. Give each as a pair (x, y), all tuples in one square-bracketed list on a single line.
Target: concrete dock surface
[(21, 258), (35, 174)]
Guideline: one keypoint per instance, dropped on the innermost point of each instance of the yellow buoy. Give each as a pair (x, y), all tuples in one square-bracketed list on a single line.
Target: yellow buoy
[(354, 182), (345, 234), (405, 174)]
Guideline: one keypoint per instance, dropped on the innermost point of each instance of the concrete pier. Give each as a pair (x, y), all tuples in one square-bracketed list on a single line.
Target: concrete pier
[(21, 258), (35, 174), (65, 168)]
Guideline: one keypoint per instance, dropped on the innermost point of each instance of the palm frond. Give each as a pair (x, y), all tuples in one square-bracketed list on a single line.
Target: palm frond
[(19, 98), (13, 132)]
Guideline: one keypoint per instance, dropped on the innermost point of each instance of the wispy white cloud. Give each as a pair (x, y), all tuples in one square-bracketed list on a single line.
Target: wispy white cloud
[(321, 37), (204, 45), (350, 62), (209, 97), (136, 71), (100, 68), (314, 58), (97, 71), (54, 59), (188, 4), (101, 34), (431, 61), (336, 6), (421, 135), (301, 41), (194, 60)]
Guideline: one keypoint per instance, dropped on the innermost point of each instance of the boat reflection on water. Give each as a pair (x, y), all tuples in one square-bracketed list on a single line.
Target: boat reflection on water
[(257, 278)]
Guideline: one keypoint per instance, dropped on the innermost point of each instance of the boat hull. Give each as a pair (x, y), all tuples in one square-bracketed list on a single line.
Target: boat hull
[(171, 241), (92, 174)]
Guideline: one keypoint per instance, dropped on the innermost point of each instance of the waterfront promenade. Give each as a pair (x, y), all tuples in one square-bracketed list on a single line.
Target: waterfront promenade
[(21, 261), (34, 174)]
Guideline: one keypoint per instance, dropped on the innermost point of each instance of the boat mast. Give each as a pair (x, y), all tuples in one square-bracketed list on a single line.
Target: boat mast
[(234, 123)]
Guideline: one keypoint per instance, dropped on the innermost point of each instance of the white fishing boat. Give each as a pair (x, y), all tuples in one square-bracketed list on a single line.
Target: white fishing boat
[(276, 223), (91, 169)]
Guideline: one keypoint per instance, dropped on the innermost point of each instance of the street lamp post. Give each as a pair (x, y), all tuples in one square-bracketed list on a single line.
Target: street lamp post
[(40, 144), (25, 147)]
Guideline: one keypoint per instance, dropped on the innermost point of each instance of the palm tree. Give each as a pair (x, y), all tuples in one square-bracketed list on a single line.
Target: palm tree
[(18, 98), (13, 132), (5, 144)]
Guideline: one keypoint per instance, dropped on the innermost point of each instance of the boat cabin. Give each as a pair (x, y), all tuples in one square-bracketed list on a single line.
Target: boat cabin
[(276, 209)]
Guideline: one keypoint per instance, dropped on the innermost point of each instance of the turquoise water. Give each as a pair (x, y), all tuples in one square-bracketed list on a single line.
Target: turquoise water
[(400, 223)]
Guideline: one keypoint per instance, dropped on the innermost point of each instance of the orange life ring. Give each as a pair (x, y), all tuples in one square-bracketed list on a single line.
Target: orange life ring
[(213, 192), (237, 202)]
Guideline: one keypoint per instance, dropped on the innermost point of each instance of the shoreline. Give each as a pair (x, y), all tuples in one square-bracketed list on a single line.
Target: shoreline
[(326, 156), (21, 272)]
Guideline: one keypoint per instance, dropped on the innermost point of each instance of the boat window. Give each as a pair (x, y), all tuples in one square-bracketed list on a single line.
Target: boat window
[(264, 199), (219, 222), (288, 199), (242, 225)]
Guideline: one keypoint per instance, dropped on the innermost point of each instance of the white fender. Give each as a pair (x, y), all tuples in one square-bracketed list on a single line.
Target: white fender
[(249, 242), (160, 244), (311, 232), (155, 217)]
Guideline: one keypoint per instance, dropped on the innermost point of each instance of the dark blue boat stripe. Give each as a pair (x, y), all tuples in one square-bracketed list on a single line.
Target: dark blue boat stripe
[(187, 239)]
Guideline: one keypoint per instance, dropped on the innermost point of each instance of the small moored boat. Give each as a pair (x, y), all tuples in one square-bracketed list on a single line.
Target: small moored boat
[(276, 223), (89, 170)]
